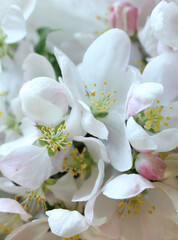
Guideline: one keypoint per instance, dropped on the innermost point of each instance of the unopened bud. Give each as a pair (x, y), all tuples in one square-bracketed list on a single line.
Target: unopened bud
[(124, 16), (150, 166)]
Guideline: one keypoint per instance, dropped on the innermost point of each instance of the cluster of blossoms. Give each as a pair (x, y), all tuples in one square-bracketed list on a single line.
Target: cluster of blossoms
[(88, 120)]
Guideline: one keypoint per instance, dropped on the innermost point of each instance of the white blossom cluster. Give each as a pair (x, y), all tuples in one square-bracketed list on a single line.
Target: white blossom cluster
[(89, 119)]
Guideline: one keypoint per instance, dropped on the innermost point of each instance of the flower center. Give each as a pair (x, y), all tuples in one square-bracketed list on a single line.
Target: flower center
[(54, 138), (79, 163), (33, 201), (151, 118), (100, 102), (75, 237), (132, 205)]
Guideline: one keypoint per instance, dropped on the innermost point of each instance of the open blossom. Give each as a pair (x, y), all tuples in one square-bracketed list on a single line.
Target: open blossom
[(13, 23), (129, 199), (101, 87), (155, 128), (53, 136)]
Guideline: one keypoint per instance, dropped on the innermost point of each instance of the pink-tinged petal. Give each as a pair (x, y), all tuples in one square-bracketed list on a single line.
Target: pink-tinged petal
[(117, 145), (103, 61), (36, 65), (91, 185), (138, 137), (93, 233), (8, 205), (123, 15), (165, 72), (65, 223), (159, 197), (166, 140), (64, 189), (143, 96), (28, 166), (69, 73), (51, 236), (32, 230), (91, 125), (170, 191), (95, 147), (150, 166), (112, 227), (50, 96), (126, 186), (100, 209), (13, 24)]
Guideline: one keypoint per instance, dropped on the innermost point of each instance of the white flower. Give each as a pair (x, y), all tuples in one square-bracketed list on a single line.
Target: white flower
[(128, 203), (102, 88), (155, 128)]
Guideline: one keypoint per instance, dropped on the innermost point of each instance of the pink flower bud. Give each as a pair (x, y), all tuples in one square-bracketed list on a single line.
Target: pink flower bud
[(150, 166), (124, 16)]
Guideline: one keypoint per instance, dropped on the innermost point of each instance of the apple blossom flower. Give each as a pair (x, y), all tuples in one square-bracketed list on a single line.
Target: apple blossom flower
[(133, 199), (150, 129), (13, 24), (101, 91)]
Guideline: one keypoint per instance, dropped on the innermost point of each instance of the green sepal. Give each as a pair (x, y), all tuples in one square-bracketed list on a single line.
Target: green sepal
[(51, 153), (42, 143), (57, 126), (100, 114)]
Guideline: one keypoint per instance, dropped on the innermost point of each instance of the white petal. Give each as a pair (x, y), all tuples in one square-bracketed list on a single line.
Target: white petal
[(65, 223), (36, 65), (8, 205), (91, 124), (103, 61), (117, 145), (91, 185), (166, 140), (28, 166), (64, 188), (69, 73), (13, 24), (44, 100), (138, 137), (165, 72), (147, 39), (32, 230), (95, 147), (27, 7), (30, 135), (164, 19), (126, 186), (8, 186)]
